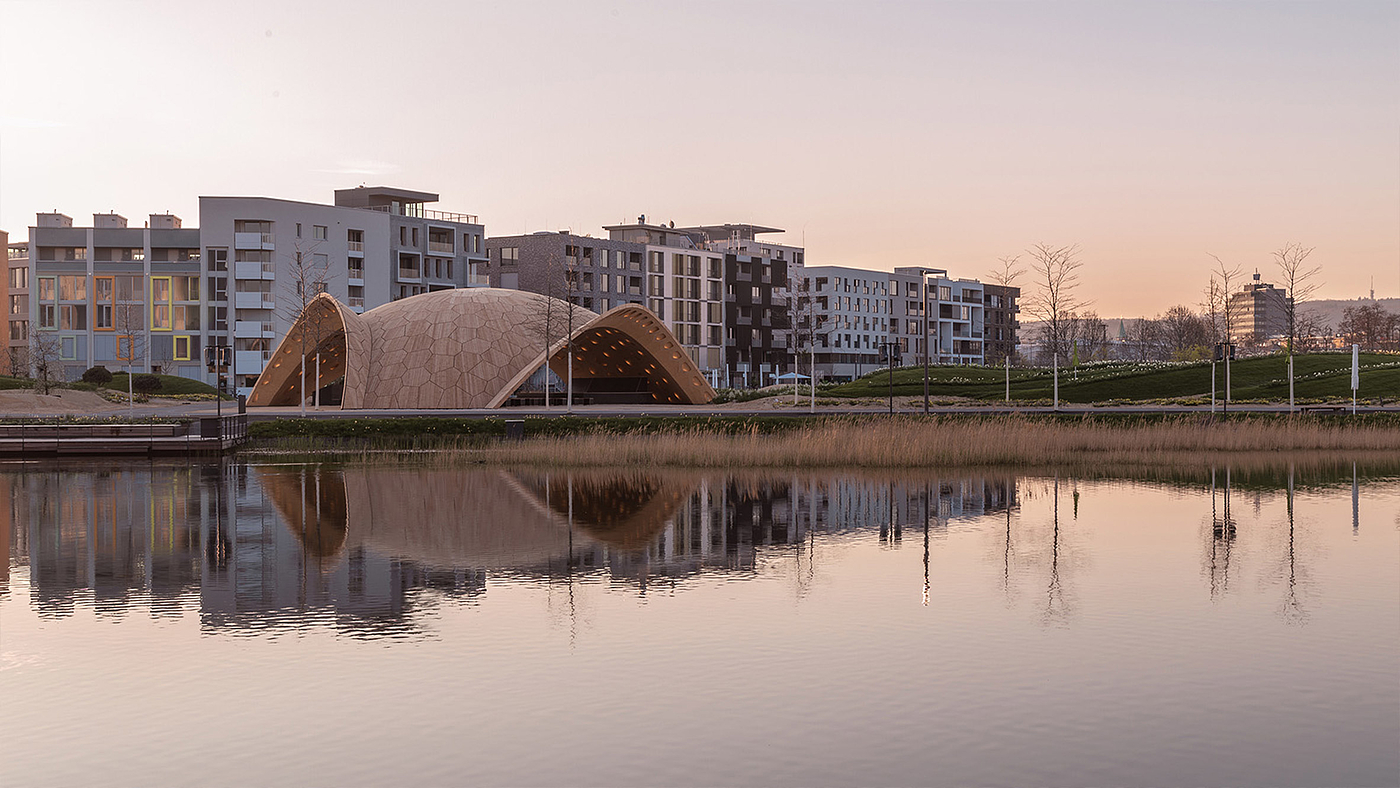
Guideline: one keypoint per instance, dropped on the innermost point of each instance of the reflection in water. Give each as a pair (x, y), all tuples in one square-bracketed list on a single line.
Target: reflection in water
[(283, 546), (1205, 627), (362, 547)]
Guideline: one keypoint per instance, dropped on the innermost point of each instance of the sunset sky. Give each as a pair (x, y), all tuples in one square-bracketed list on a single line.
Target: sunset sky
[(877, 134)]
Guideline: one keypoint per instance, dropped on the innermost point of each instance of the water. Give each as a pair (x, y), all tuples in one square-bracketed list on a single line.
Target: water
[(300, 624)]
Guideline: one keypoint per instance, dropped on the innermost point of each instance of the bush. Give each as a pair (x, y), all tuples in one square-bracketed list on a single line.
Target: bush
[(98, 376), (146, 384)]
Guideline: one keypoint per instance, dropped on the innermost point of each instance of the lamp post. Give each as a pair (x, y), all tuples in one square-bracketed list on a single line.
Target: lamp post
[(923, 283), (887, 350)]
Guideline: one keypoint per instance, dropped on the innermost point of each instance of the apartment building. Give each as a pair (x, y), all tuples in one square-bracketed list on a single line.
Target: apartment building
[(721, 292), (843, 316), (1258, 311), (757, 279), (14, 295), (114, 295), (954, 321), (266, 258), (1000, 307)]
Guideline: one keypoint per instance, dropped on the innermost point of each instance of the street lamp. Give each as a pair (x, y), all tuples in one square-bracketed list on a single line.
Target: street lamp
[(887, 349), (923, 282)]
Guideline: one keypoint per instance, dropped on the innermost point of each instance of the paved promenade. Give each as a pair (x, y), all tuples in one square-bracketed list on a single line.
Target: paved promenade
[(907, 407)]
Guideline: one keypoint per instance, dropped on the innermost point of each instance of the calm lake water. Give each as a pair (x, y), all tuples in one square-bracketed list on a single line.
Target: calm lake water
[(287, 624)]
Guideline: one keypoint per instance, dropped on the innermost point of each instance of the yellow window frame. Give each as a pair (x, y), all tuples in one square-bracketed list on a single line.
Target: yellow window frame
[(185, 354)]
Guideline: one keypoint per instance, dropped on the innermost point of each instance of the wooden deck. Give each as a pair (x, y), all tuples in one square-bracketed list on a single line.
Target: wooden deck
[(54, 437)]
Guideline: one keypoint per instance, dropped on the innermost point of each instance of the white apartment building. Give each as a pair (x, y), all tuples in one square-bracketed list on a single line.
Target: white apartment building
[(265, 258), (843, 318), (848, 315), (955, 319)]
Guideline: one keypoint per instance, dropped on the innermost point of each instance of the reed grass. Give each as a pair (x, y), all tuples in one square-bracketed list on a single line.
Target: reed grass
[(885, 443)]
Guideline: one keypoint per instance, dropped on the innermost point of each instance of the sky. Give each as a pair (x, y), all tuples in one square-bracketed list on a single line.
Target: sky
[(877, 134)]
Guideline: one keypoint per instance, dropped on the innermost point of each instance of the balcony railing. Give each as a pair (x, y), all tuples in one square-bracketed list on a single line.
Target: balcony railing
[(356, 301), (409, 273), (357, 273), (424, 213), (441, 247), (356, 246)]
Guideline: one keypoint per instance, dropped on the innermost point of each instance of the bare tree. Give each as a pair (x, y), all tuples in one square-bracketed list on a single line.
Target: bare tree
[(43, 356), (1055, 271), (309, 274), (1144, 338), (547, 318), (1004, 274), (1089, 335), (1311, 331), (1185, 334), (1227, 276), (807, 314), (1299, 279), (129, 325), (1369, 325)]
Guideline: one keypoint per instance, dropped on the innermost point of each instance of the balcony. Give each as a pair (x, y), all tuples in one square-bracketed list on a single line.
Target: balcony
[(247, 362), (356, 276), (252, 329), (252, 241), (254, 301), (409, 275), (441, 247), (356, 247), (356, 302), (478, 280), (254, 270)]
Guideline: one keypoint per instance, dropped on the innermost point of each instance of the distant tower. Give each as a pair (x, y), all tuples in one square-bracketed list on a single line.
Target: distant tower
[(1373, 288)]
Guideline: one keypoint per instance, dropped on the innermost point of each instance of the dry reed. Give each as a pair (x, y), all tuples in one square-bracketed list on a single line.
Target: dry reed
[(908, 443)]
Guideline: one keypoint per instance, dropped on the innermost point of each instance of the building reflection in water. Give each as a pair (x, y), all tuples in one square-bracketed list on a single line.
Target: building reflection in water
[(258, 549)]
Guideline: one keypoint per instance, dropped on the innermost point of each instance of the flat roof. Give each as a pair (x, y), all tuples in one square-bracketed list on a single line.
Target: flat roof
[(726, 229), (366, 195)]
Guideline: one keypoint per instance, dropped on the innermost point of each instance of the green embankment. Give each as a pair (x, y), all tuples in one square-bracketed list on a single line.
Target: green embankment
[(1316, 376), (169, 384)]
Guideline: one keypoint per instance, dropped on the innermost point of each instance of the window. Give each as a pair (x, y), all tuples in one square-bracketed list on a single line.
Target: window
[(657, 260), (48, 288), (318, 232), (182, 348), (129, 288), (217, 258), (72, 317), (72, 288), (186, 288), (68, 348), (357, 270), (945, 293), (19, 278), (160, 303), (510, 254), (126, 347), (19, 304), (298, 229)]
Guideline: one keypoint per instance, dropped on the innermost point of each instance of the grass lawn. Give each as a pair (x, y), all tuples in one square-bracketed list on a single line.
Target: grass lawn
[(1317, 376), (169, 384)]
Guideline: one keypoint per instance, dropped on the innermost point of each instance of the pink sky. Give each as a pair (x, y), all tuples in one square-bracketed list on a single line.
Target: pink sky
[(880, 134)]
